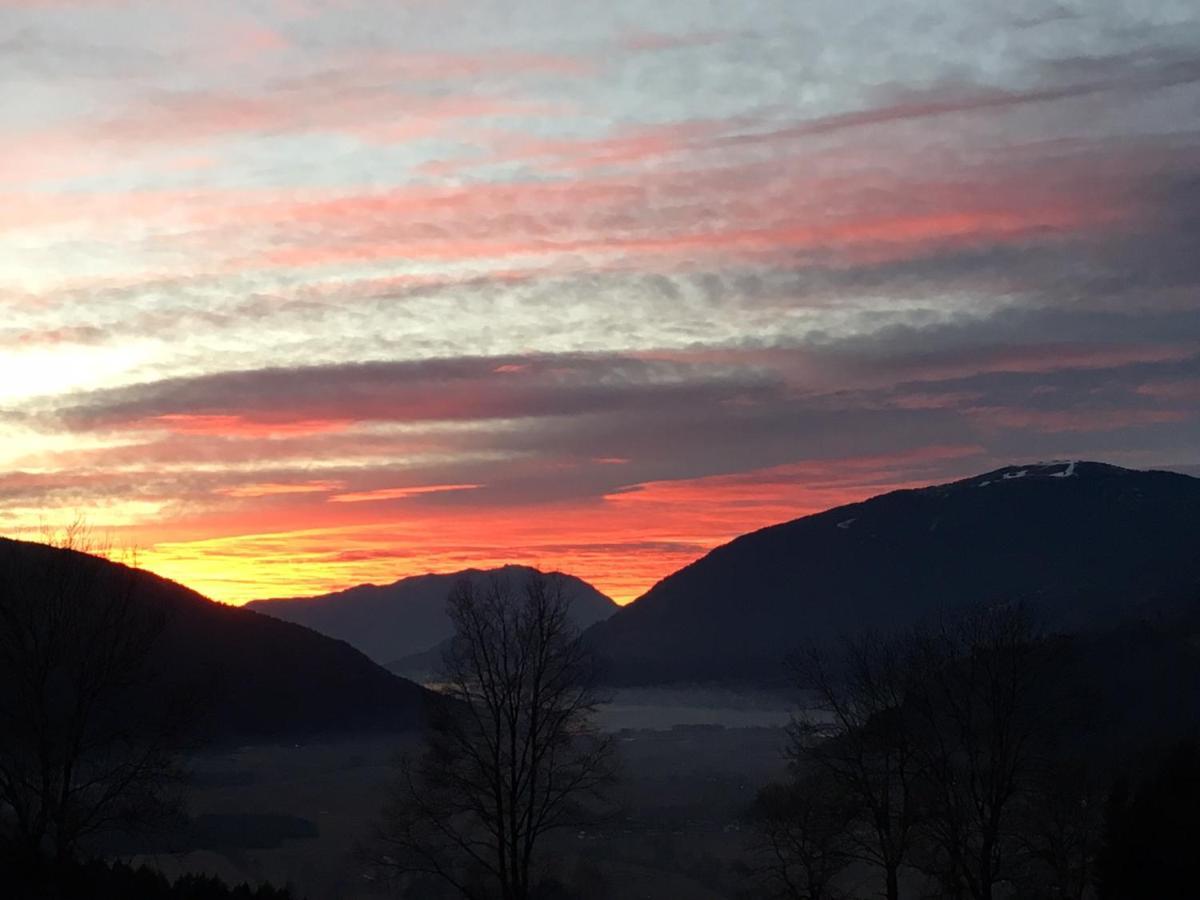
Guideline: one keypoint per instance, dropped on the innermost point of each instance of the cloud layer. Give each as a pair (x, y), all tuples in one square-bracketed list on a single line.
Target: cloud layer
[(297, 294)]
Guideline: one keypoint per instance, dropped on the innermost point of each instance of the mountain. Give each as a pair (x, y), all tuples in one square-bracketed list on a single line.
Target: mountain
[(1084, 543), (421, 667), (390, 622), (249, 675)]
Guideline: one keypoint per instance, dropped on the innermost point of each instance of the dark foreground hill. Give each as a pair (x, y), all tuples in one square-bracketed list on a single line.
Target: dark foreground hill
[(1086, 544), (246, 675), (394, 621)]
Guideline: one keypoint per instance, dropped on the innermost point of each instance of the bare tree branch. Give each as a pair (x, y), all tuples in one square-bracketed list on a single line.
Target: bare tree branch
[(511, 755)]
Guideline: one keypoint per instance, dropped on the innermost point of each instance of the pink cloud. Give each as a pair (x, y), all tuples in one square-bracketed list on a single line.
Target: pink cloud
[(861, 237), (1175, 390), (65, 334), (650, 41), (239, 426)]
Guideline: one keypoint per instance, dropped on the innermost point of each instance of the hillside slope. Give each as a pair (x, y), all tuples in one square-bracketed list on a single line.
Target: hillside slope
[(251, 676), (1085, 543)]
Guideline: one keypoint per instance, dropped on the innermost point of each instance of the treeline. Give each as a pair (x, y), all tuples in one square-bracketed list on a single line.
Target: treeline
[(98, 880), (979, 758)]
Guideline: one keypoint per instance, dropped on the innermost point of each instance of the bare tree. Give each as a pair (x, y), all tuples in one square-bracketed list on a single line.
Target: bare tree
[(803, 838), (959, 741), (855, 732), (982, 701), (511, 753), (1060, 827), (85, 744)]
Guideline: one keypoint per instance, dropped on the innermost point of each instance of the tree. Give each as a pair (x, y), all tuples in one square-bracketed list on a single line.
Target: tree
[(84, 744), (509, 755), (855, 733), (950, 740), (982, 702), (1059, 828), (804, 838), (100, 880), (1151, 831)]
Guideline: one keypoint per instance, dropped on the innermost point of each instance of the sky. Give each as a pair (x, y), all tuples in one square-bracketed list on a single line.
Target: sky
[(299, 294)]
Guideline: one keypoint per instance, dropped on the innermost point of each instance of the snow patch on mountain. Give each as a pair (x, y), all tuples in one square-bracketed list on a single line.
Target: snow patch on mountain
[(1058, 468)]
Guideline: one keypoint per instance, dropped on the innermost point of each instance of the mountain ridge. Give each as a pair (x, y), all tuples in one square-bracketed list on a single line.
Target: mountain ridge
[(901, 556), (406, 617)]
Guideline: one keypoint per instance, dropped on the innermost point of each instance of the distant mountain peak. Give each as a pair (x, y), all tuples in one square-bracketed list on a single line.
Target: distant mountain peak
[(1050, 470), (408, 616), (420, 577)]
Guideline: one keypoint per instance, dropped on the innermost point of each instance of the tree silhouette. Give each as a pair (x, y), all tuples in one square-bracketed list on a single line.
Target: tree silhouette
[(803, 838), (1059, 826), (1151, 831), (85, 744), (954, 742), (982, 705), (511, 753), (98, 880), (854, 733)]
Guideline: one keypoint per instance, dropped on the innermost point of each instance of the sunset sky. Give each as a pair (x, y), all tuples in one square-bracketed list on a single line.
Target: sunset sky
[(297, 294)]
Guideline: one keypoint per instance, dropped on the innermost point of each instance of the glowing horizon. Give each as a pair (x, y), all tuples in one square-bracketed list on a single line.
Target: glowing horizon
[(618, 563)]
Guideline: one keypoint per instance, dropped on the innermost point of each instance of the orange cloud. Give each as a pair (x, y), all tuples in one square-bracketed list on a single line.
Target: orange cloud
[(270, 489), (623, 543), (402, 493)]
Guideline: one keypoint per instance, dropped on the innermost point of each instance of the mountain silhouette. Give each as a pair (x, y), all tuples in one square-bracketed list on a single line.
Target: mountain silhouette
[(1085, 544), (395, 621), (249, 675)]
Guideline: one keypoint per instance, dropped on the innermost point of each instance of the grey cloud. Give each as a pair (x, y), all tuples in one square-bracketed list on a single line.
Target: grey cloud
[(425, 390), (668, 420), (33, 54)]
